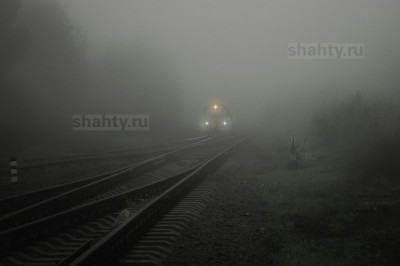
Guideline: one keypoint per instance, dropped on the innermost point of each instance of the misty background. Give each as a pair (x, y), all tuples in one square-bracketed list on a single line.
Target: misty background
[(171, 58)]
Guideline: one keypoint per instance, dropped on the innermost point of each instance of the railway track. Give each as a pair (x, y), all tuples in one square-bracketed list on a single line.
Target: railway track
[(30, 163), (15, 204), (87, 217)]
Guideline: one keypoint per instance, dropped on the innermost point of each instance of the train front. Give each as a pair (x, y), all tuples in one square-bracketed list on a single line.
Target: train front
[(217, 119)]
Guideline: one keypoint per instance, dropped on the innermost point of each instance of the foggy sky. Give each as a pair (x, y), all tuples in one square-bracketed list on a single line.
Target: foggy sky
[(236, 50)]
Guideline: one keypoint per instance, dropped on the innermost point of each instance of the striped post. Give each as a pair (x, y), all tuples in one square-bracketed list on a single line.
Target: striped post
[(13, 169)]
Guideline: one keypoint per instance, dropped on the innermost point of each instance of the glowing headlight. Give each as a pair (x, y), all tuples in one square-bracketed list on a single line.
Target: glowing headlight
[(206, 123), (215, 107), (225, 123)]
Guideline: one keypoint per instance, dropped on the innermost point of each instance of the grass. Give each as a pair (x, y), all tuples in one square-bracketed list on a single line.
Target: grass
[(319, 215)]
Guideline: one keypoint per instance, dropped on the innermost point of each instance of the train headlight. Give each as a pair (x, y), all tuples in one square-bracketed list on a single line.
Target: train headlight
[(215, 107), (225, 123), (206, 123)]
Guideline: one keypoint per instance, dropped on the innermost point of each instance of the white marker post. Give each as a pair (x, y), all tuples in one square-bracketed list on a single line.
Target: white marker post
[(13, 169)]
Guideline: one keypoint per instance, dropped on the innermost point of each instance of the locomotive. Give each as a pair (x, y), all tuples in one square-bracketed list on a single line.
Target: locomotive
[(217, 118)]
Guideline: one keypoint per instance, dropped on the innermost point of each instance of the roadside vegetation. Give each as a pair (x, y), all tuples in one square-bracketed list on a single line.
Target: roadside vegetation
[(340, 208), (49, 71), (365, 131)]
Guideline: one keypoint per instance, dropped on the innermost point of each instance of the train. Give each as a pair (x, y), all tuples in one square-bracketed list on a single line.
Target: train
[(217, 119)]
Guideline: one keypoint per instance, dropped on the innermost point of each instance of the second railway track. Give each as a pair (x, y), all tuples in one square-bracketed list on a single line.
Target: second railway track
[(29, 206), (62, 236), (14, 203)]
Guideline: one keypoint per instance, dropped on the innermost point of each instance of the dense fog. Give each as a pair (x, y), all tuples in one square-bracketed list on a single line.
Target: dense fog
[(169, 59), (199, 132)]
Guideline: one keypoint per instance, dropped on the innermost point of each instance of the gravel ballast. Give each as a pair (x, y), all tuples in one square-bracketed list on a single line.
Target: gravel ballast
[(231, 230)]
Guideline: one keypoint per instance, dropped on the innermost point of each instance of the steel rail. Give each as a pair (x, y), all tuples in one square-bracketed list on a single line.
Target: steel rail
[(28, 163), (28, 232), (87, 189), (110, 247), (19, 201)]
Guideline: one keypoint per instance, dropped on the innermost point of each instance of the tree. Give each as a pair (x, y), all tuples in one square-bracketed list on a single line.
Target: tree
[(135, 79), (52, 73), (13, 45)]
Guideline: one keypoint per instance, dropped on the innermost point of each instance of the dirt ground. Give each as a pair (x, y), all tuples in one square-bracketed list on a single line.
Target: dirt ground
[(231, 230), (272, 212)]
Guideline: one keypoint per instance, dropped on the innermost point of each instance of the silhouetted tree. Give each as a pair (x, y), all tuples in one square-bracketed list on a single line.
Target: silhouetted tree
[(13, 46), (52, 72), (137, 80)]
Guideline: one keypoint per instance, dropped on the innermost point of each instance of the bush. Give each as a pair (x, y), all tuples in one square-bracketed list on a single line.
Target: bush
[(379, 157), (366, 131)]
